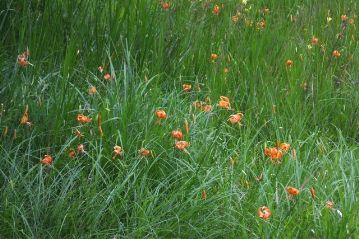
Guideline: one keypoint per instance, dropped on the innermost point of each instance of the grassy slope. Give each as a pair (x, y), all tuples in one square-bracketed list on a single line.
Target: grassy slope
[(152, 53)]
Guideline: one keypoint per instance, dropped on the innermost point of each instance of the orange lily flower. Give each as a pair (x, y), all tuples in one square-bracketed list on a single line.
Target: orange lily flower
[(92, 90), (207, 108), (187, 87), (235, 18), (336, 54), (224, 98), (161, 114), (261, 24), (285, 147), (145, 152), (268, 151), (264, 212), (47, 160), (329, 204), (236, 118), (216, 10), (214, 57), (181, 145), (117, 150), (202, 106), (292, 191), (273, 153), (83, 119), (72, 153), (314, 40), (224, 102), (166, 6), (177, 134), (265, 10), (22, 59), (289, 63), (107, 76), (344, 18)]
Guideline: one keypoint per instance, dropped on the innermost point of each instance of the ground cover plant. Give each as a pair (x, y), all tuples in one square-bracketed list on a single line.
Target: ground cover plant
[(179, 119)]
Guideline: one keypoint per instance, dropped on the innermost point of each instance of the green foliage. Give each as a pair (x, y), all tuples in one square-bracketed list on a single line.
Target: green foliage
[(150, 53)]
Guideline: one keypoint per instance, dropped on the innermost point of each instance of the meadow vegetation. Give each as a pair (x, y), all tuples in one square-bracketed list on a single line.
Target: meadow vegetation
[(179, 119)]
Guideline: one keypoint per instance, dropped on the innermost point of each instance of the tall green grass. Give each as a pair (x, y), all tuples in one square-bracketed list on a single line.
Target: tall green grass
[(151, 53)]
